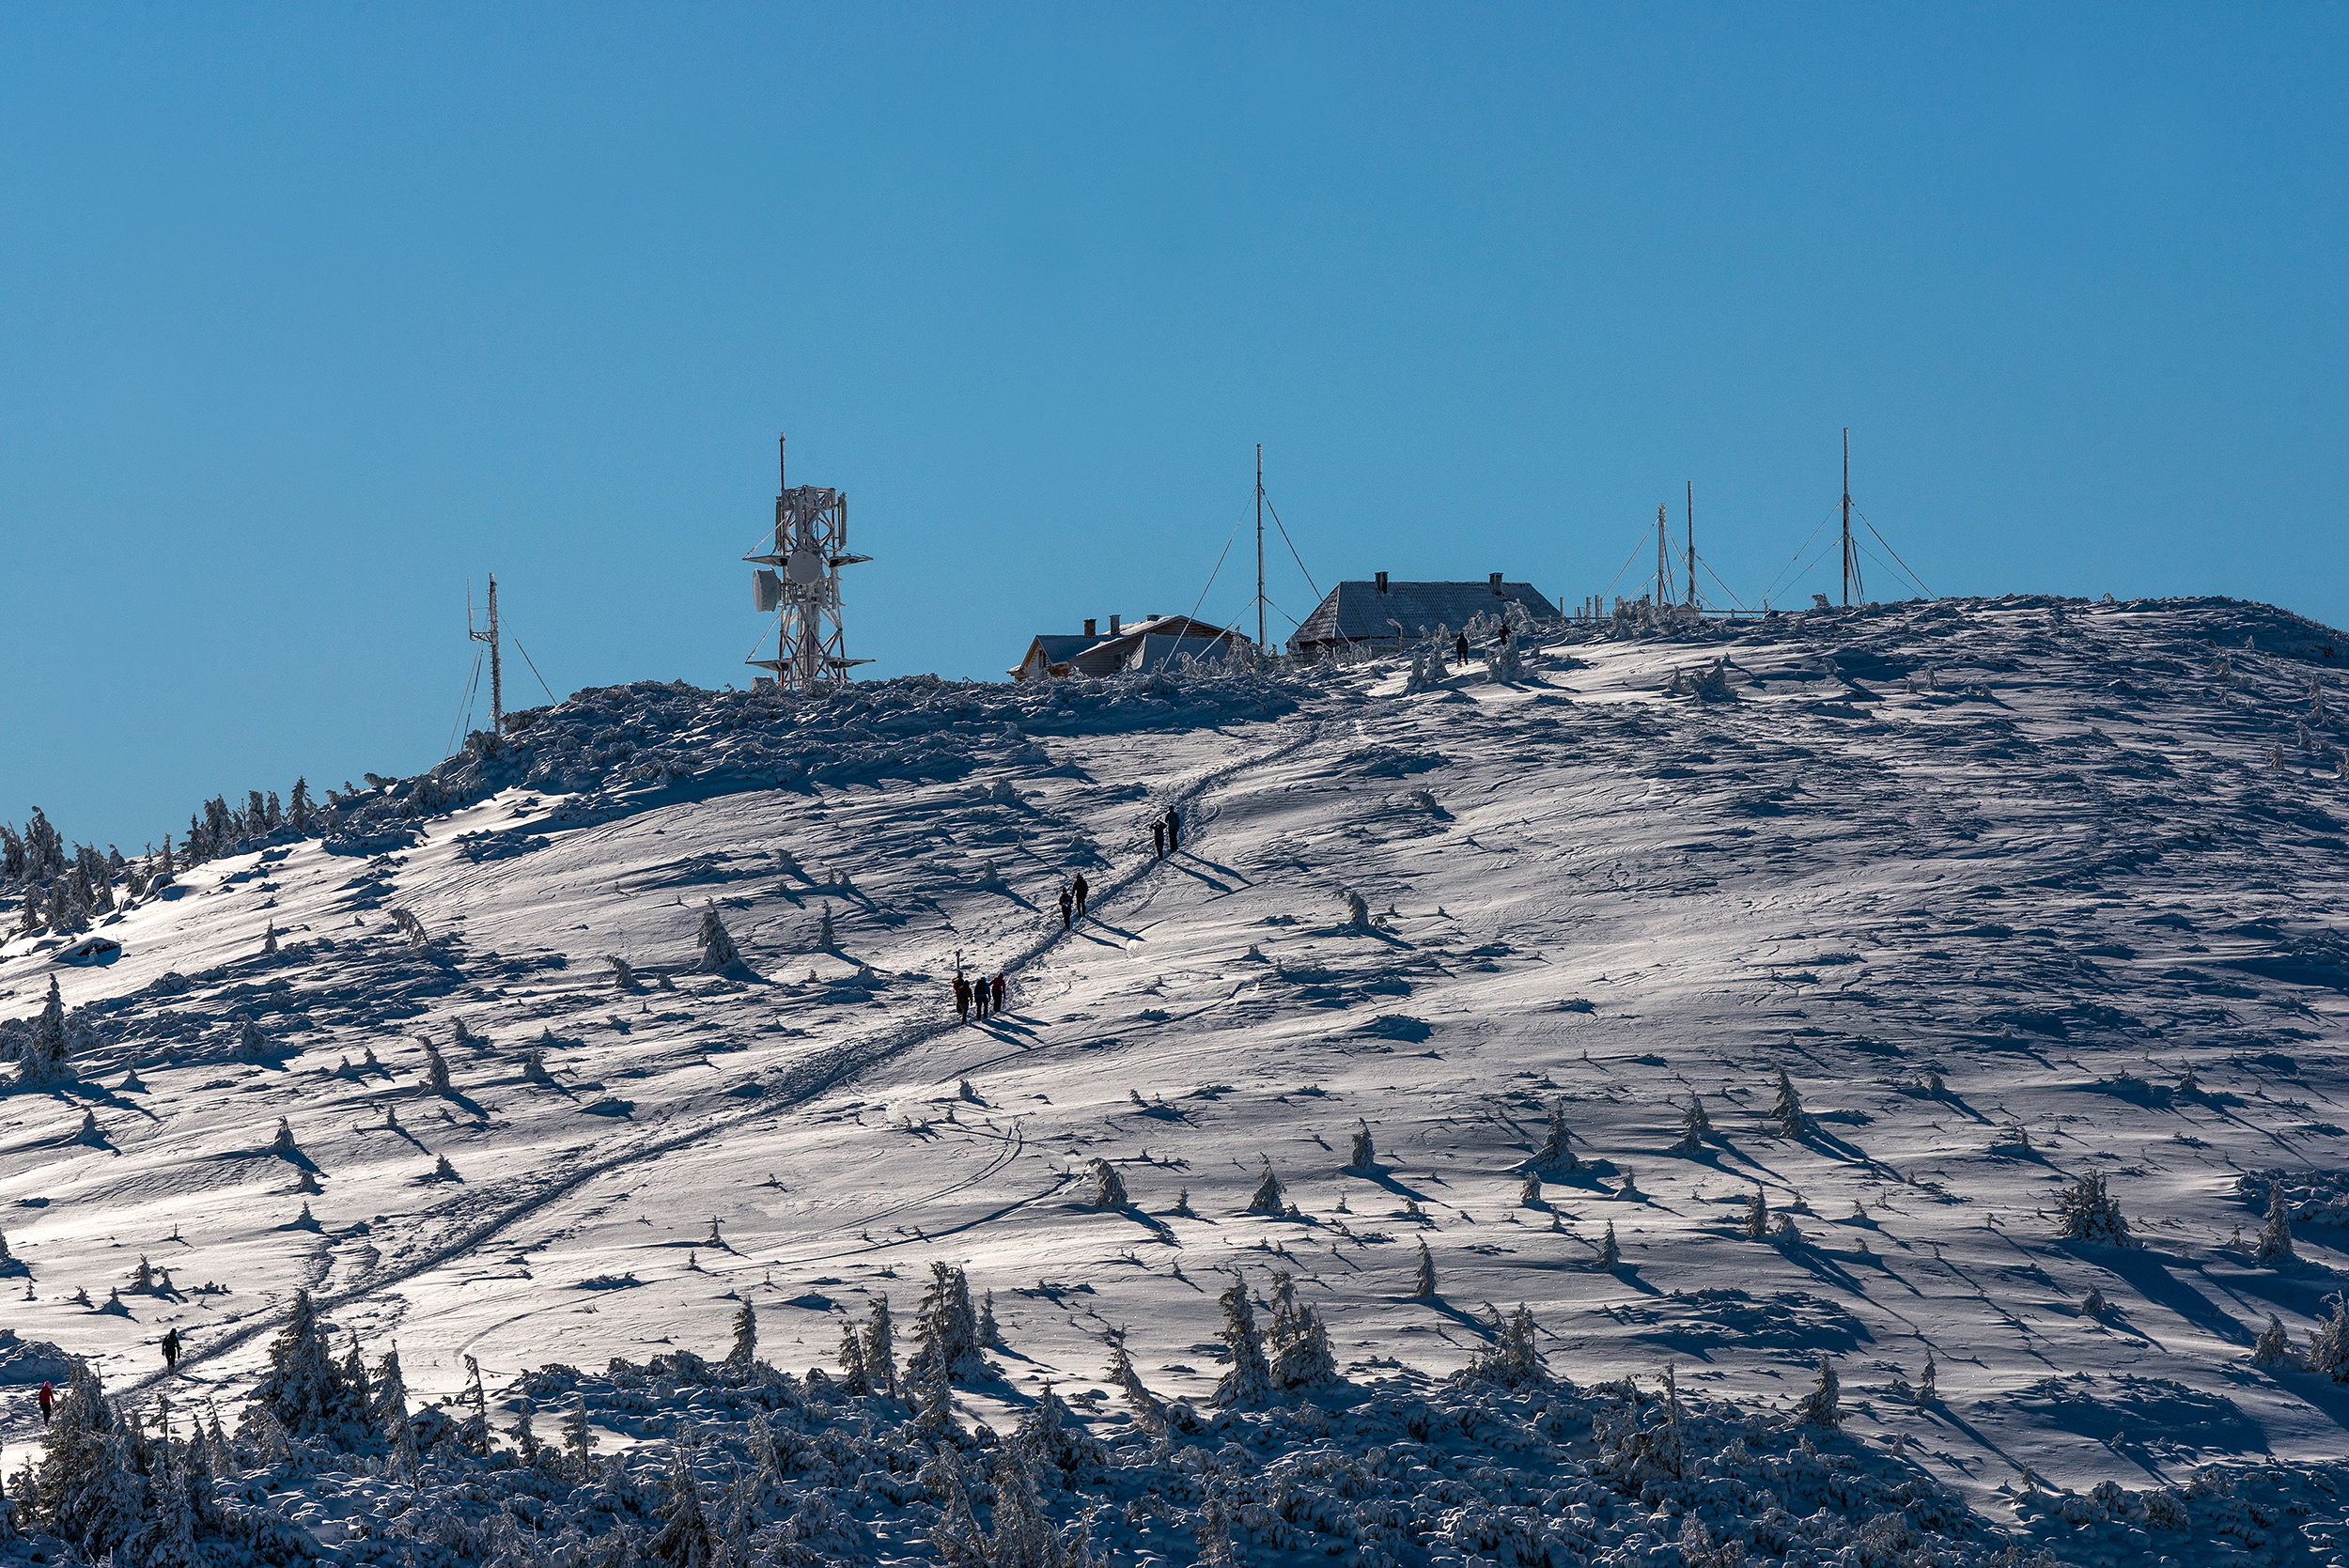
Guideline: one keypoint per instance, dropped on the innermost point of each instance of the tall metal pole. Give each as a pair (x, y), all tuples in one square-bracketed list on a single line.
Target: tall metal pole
[(497, 674), (1260, 546), (1663, 561), (1692, 544), (1847, 516)]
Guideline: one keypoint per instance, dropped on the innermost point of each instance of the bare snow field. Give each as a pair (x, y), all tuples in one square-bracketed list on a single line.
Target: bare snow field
[(2014, 892)]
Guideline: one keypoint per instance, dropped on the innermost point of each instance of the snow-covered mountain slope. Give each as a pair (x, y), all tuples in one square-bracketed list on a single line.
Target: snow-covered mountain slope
[(2015, 891)]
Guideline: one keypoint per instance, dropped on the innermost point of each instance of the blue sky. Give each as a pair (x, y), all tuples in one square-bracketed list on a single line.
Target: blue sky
[(309, 313)]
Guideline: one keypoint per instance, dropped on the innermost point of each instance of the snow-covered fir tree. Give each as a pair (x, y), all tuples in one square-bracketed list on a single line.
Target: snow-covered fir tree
[(717, 950), (745, 1349), (1364, 1154), (2328, 1342), (1512, 1359), (1251, 1377), (2273, 1350), (1298, 1345), (47, 1059), (1556, 1153), (1695, 1125), (1267, 1198), (304, 1391), (1609, 1254), (1822, 1405), (1424, 1278), (853, 1377), (1928, 1392), (1756, 1225), (2275, 1243), (1786, 1111), (435, 1068), (685, 1540), (880, 1348), (947, 1329), (2087, 1212)]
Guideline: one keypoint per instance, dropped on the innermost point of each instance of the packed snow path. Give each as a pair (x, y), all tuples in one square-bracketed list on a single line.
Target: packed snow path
[(2014, 891)]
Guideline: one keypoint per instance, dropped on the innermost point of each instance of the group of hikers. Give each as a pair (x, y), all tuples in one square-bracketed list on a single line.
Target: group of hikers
[(980, 995), (976, 999), (170, 1347), (1460, 644)]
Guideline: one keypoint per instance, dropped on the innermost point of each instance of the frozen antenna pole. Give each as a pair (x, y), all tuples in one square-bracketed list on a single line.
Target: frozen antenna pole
[(801, 577), (497, 673)]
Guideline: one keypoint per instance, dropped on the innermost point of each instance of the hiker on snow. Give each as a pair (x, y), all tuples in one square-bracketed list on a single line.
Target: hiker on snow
[(1157, 832), (1461, 645), (1174, 830), (978, 996), (48, 1401), (999, 992), (1068, 901), (171, 1351), (1081, 892), (962, 997)]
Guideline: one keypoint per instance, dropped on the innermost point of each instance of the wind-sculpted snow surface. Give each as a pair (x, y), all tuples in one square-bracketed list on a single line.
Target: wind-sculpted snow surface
[(1903, 1040)]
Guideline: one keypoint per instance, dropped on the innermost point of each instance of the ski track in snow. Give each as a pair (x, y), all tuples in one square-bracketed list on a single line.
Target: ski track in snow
[(2061, 877)]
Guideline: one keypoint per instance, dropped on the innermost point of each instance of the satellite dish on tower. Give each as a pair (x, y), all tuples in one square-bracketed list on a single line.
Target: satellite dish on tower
[(806, 567)]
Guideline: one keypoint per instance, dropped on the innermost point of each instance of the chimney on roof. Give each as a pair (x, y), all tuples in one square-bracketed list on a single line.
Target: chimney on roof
[(1382, 583), (1112, 626), (1089, 631), (1496, 583)]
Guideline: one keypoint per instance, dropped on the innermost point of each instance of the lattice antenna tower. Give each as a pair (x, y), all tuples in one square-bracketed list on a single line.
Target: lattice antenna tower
[(801, 577), (497, 667)]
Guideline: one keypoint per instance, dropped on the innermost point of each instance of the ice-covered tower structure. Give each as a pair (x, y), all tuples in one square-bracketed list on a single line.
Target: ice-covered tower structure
[(800, 575)]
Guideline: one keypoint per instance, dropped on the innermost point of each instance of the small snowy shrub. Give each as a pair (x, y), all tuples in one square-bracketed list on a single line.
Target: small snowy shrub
[(2089, 1213), (1821, 1405), (2273, 1350), (1364, 1155), (2275, 1243), (1109, 1192), (718, 950), (1695, 1125), (1608, 1253), (1251, 1377), (1424, 1279), (1267, 1198), (1787, 1111), (1555, 1154)]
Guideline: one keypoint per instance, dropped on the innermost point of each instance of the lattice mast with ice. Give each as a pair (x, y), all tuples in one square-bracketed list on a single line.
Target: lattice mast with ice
[(801, 576)]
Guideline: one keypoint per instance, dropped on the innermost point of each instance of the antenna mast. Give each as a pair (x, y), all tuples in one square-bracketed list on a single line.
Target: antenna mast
[(497, 673), (1260, 547), (1663, 564), (1692, 544), (1848, 563), (801, 575)]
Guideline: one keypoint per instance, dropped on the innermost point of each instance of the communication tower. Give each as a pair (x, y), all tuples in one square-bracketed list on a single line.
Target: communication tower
[(801, 576)]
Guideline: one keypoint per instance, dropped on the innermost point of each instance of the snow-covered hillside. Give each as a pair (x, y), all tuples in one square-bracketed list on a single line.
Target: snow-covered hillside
[(2013, 892)]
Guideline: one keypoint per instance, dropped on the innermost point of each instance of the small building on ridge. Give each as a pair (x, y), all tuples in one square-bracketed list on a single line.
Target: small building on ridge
[(1383, 611), (1150, 643)]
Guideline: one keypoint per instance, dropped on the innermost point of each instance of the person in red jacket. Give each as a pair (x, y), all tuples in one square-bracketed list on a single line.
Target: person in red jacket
[(48, 1401), (999, 992)]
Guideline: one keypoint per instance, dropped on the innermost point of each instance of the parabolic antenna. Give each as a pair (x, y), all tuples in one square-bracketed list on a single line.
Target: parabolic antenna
[(806, 567)]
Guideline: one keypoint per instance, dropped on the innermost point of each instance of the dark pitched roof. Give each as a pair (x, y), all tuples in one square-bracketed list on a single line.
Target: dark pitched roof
[(1358, 613), (1144, 644)]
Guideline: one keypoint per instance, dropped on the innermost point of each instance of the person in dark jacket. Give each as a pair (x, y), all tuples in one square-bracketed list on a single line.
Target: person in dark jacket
[(1461, 648), (1081, 894), (978, 998), (171, 1351), (1158, 836), (962, 998), (1068, 902), (1174, 830), (999, 993)]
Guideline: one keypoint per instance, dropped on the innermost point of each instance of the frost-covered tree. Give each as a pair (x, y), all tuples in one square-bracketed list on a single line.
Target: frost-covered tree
[(1424, 1278), (1267, 1198), (1300, 1357), (1821, 1406), (989, 1334), (435, 1068), (579, 1440), (1927, 1392), (1512, 1358), (1695, 1125), (1251, 1377), (304, 1391), (1530, 1191), (2275, 1244), (684, 1540), (2089, 1213), (1757, 1222), (1109, 1192), (825, 940), (1357, 910), (2273, 1350), (852, 1375), (1364, 1155), (1556, 1153), (48, 1059), (718, 950), (1787, 1111), (880, 1348), (947, 1328), (298, 807), (284, 1143), (1609, 1254), (623, 977), (745, 1340), (2329, 1343)]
